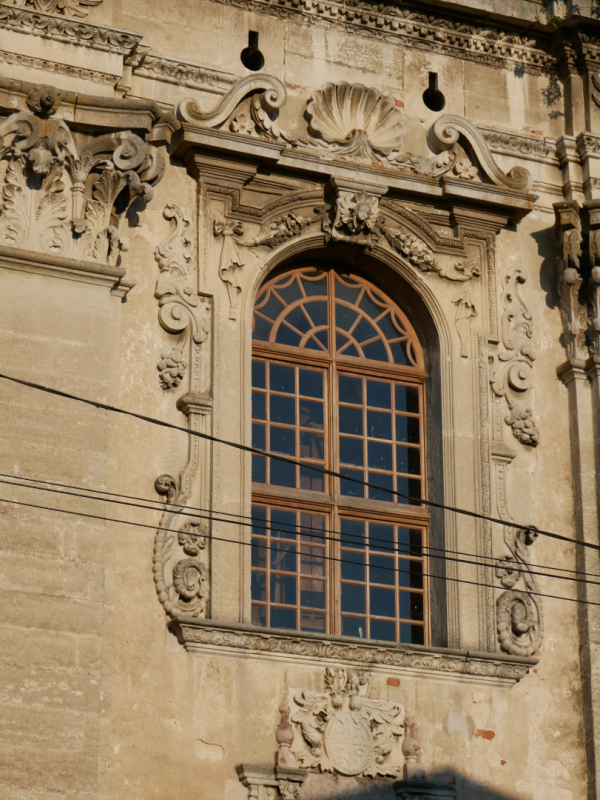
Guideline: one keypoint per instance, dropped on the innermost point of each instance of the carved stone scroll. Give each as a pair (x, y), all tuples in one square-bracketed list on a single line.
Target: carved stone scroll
[(58, 200), (180, 310), (512, 372), (347, 732), (519, 610)]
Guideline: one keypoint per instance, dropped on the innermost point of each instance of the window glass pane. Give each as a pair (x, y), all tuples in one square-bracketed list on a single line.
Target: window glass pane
[(410, 541), (379, 394), (379, 425), (383, 630), (282, 474), (312, 522), (351, 389), (258, 436), (351, 451), (258, 374), (351, 420), (386, 482), (259, 408), (383, 602), (407, 398), (311, 480), (412, 634), (283, 618), (283, 523), (376, 351), (259, 519), (382, 570), (259, 553), (312, 593), (283, 558), (311, 383), (349, 488), (312, 561), (353, 566), (353, 533), (261, 329), (309, 621), (411, 605), (282, 409), (381, 537), (344, 317), (259, 586), (282, 378), (407, 429), (380, 456), (283, 589), (311, 414), (354, 626), (283, 440), (259, 469), (408, 459), (353, 598), (410, 491)]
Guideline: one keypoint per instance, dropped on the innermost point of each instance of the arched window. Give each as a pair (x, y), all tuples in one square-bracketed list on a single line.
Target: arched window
[(338, 383)]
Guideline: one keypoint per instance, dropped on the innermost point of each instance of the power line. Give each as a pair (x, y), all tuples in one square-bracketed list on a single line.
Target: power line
[(322, 470), (318, 533), (211, 537), (160, 504)]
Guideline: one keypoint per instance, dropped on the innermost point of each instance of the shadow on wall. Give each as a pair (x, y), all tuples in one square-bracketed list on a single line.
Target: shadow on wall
[(441, 785)]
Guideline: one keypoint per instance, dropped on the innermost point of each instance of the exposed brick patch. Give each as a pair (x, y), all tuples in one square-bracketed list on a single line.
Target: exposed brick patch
[(393, 682), (486, 734)]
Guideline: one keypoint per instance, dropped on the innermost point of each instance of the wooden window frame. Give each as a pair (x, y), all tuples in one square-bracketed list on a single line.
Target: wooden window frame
[(330, 503)]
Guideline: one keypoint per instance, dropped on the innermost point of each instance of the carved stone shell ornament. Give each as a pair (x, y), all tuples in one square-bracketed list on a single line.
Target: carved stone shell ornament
[(356, 120)]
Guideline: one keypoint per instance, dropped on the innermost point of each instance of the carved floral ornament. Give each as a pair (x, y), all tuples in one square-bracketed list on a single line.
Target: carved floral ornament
[(59, 200), (355, 121)]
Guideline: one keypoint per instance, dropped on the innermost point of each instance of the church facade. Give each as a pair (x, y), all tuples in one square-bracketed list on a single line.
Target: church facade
[(300, 380)]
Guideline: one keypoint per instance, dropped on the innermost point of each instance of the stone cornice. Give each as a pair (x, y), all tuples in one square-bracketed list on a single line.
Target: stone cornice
[(30, 62), (50, 26), (184, 73), (204, 636), (70, 269), (462, 37), (108, 113)]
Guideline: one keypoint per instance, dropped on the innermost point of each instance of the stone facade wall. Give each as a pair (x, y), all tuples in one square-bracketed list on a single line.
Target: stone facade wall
[(150, 183)]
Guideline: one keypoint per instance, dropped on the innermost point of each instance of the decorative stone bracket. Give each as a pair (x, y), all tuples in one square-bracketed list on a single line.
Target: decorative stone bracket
[(578, 235)]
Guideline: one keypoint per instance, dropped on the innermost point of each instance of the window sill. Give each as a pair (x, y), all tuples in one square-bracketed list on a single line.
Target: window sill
[(208, 636)]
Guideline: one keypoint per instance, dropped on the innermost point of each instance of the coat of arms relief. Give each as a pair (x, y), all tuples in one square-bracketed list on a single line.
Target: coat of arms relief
[(347, 731)]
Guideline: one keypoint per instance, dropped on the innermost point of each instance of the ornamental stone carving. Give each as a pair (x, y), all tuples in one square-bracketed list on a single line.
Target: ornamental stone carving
[(593, 210), (70, 8), (356, 120), (348, 732), (512, 372), (355, 213), (180, 309), (186, 591), (519, 611), (573, 312), (58, 200)]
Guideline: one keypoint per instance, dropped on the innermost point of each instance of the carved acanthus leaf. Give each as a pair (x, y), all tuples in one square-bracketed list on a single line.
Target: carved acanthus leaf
[(77, 217), (512, 373)]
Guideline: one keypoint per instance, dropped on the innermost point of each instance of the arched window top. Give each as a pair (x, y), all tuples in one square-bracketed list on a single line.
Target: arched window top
[(335, 314)]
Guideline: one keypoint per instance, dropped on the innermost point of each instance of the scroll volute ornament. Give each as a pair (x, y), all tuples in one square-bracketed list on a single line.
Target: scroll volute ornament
[(512, 372), (62, 201)]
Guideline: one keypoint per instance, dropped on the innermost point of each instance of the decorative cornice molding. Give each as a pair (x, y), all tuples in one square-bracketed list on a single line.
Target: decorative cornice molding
[(512, 143), (185, 73), (29, 62), (502, 47), (196, 635), (49, 26), (69, 8)]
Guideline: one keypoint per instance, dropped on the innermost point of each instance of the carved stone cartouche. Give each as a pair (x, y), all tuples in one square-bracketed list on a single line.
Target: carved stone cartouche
[(348, 732)]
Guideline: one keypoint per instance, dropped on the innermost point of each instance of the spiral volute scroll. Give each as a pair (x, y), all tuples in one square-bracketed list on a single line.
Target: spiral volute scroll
[(520, 623)]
